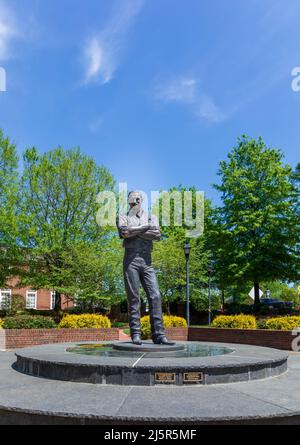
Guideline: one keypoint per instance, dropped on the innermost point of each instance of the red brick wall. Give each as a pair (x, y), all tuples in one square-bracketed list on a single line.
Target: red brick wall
[(43, 295), (271, 339), (66, 303), (22, 338), (177, 334)]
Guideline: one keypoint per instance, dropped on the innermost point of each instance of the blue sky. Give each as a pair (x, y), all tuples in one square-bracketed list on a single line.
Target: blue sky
[(158, 91)]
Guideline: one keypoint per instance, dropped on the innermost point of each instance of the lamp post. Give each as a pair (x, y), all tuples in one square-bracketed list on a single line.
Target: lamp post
[(210, 272), (187, 250)]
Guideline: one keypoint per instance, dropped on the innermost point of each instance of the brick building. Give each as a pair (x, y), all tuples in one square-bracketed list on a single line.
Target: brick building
[(41, 299)]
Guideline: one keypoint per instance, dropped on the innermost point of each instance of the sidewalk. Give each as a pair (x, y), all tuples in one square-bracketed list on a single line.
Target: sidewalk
[(2, 340), (123, 336)]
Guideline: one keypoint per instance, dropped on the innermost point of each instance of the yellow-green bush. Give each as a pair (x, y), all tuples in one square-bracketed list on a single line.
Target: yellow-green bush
[(1, 324), (283, 323), (235, 322), (84, 321), (170, 321)]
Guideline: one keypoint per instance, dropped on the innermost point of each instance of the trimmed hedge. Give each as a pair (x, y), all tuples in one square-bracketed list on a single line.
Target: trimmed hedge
[(28, 322), (84, 321), (283, 323), (235, 322), (170, 321), (119, 324)]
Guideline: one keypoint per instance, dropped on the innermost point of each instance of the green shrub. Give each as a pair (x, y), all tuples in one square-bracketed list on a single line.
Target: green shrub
[(170, 321), (84, 321), (235, 322), (283, 323), (28, 322), (17, 306), (1, 324), (262, 324), (119, 324)]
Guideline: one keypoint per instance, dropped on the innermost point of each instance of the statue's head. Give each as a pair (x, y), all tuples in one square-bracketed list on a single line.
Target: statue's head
[(135, 200)]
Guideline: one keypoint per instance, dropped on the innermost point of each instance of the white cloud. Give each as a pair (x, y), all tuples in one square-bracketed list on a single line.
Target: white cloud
[(185, 91), (103, 50), (8, 30), (96, 124), (181, 89), (94, 54), (208, 110)]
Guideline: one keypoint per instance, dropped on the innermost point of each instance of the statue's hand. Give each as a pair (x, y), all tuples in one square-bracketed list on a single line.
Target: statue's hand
[(125, 233), (139, 229)]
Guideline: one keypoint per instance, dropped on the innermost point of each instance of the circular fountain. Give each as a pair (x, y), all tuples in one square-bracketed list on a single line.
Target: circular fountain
[(122, 363)]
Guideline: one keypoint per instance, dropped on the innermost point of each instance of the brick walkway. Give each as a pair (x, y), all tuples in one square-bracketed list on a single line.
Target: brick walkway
[(123, 336)]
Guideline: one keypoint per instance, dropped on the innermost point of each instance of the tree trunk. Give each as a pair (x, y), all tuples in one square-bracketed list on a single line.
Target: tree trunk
[(223, 299), (168, 308), (256, 294), (57, 306)]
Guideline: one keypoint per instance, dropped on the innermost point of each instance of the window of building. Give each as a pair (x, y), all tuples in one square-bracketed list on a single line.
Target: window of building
[(31, 299), (52, 299), (5, 298)]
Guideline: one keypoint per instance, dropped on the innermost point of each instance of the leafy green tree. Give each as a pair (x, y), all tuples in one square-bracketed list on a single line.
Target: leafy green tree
[(290, 294), (92, 273), (169, 259), (256, 227), (216, 243), (9, 210), (59, 195), (296, 183)]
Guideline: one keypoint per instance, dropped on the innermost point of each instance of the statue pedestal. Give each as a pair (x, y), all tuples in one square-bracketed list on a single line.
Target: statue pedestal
[(183, 364)]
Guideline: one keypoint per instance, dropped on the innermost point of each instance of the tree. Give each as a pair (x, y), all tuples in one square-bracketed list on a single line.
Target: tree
[(92, 274), (256, 227), (59, 196), (296, 183), (169, 259), (216, 243), (9, 210)]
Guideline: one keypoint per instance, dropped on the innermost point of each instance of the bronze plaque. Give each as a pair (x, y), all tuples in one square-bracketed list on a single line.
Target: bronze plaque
[(165, 377), (193, 377)]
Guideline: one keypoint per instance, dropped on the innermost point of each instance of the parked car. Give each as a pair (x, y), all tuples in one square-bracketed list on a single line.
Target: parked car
[(273, 303)]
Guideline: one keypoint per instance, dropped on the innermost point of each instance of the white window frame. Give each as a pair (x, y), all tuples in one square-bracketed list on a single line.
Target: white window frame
[(6, 291), (52, 299), (35, 296)]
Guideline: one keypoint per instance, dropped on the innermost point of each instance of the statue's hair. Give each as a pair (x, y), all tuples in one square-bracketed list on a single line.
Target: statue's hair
[(134, 191)]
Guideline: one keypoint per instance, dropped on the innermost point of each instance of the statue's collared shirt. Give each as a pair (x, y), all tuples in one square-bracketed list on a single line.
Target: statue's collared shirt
[(144, 241)]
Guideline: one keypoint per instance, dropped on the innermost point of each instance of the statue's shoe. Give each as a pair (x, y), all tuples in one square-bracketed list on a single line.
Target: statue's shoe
[(136, 339), (162, 340)]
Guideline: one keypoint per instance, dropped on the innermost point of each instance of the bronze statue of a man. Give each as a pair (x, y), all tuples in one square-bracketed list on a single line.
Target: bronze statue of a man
[(138, 230)]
